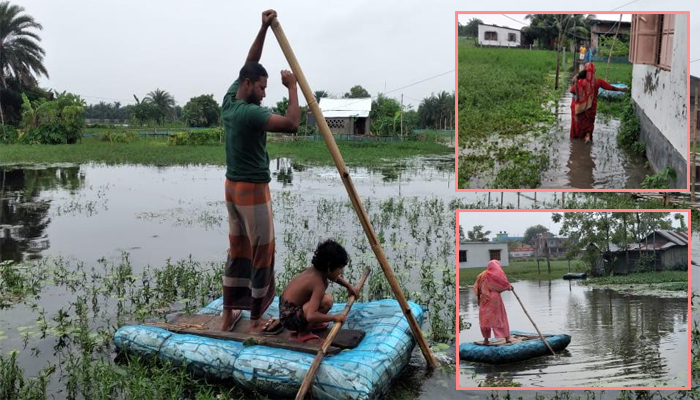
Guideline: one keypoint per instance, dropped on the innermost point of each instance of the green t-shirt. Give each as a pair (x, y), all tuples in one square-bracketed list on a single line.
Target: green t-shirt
[(246, 140)]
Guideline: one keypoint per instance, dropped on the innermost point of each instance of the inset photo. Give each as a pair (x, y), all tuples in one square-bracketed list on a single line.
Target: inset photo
[(583, 299), (572, 101)]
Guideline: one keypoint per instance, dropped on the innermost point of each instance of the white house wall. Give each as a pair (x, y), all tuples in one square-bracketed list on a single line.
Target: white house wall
[(502, 36), (478, 254), (662, 94)]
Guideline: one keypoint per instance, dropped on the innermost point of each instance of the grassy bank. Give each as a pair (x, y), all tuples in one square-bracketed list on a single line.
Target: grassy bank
[(617, 73), (642, 278), (503, 90), (525, 271), (158, 152), (505, 98)]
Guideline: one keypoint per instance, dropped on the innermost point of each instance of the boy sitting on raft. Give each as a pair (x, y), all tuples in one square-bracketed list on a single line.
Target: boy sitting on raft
[(304, 303)]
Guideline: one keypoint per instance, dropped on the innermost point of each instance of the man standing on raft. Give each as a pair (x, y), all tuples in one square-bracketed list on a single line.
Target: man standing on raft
[(249, 276)]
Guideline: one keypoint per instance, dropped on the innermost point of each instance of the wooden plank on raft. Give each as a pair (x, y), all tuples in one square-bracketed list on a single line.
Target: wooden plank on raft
[(210, 326)]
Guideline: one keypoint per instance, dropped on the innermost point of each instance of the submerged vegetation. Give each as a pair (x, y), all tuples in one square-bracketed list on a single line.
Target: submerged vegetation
[(98, 297)]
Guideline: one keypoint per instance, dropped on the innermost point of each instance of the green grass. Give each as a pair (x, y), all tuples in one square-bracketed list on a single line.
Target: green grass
[(525, 271), (157, 152), (503, 90), (617, 73), (641, 278)]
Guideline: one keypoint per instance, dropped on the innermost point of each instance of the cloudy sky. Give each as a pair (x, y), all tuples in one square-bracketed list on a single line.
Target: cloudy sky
[(515, 223), (109, 50)]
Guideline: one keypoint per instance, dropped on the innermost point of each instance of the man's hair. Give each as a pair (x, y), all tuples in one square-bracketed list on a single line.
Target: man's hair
[(329, 255), (252, 71)]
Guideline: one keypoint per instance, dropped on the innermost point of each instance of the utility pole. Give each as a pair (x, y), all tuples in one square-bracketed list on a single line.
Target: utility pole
[(401, 115)]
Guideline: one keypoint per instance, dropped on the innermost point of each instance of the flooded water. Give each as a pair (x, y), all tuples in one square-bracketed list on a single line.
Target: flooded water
[(601, 165), (616, 339), (82, 214)]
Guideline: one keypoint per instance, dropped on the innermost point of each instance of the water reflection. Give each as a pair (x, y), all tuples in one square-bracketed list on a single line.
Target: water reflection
[(24, 212), (617, 339)]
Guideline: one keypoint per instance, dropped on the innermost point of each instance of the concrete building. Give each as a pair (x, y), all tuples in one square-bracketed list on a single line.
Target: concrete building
[(658, 50), (557, 245), (505, 237), (492, 35), (606, 28), (345, 116), (478, 254)]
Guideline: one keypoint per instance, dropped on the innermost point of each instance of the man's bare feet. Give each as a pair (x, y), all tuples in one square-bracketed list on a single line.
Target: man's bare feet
[(486, 342), (229, 319)]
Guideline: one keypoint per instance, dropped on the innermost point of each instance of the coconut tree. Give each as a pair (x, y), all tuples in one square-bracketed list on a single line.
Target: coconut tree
[(21, 57), (163, 102)]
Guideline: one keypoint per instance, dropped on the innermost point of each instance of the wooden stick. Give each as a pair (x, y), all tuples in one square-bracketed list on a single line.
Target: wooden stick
[(533, 323), (308, 379), (354, 198), (693, 153)]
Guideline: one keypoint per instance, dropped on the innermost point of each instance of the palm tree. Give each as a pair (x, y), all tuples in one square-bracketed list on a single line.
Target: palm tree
[(163, 102), (21, 57), (319, 94)]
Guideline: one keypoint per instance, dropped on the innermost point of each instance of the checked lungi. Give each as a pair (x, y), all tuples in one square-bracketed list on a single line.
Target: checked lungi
[(249, 276)]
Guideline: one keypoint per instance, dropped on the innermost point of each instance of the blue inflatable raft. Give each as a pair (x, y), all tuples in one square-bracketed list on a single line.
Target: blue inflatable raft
[(611, 94), (360, 373), (525, 346)]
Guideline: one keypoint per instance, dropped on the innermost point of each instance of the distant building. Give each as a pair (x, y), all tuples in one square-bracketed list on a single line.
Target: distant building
[(606, 28), (344, 116), (658, 52), (504, 237), (557, 245), (492, 35), (478, 254), (522, 252), (662, 249)]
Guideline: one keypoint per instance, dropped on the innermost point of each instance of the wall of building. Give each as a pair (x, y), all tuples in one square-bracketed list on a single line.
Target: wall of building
[(660, 102), (675, 257), (478, 254), (502, 36)]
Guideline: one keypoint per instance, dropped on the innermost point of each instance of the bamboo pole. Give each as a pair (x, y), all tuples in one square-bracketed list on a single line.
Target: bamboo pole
[(533, 323), (693, 154), (611, 47), (309, 378), (352, 193)]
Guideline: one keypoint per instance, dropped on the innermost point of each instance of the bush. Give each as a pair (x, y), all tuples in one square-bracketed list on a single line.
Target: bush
[(197, 138), (55, 121), (114, 136), (8, 134), (628, 133)]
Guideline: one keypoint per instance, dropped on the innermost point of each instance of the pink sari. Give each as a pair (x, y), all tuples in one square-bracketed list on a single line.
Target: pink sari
[(492, 313)]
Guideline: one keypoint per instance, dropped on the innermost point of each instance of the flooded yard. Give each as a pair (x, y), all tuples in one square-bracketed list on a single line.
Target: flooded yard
[(548, 159), (617, 339), (602, 165)]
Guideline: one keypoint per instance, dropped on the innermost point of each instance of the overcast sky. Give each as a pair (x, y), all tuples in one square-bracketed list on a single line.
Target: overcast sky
[(515, 223), (109, 50)]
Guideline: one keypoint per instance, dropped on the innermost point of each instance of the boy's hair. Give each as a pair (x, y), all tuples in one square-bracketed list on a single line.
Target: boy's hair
[(252, 71), (329, 255)]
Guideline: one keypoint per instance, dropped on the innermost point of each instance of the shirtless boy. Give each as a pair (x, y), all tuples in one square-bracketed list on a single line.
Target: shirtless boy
[(304, 304)]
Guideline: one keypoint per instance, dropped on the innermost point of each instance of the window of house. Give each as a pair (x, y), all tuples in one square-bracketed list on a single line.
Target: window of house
[(462, 256), (651, 39), (490, 36), (511, 37), (495, 255)]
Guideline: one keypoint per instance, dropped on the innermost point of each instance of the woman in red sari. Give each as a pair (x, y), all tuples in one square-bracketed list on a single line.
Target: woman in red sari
[(492, 313), (585, 87)]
